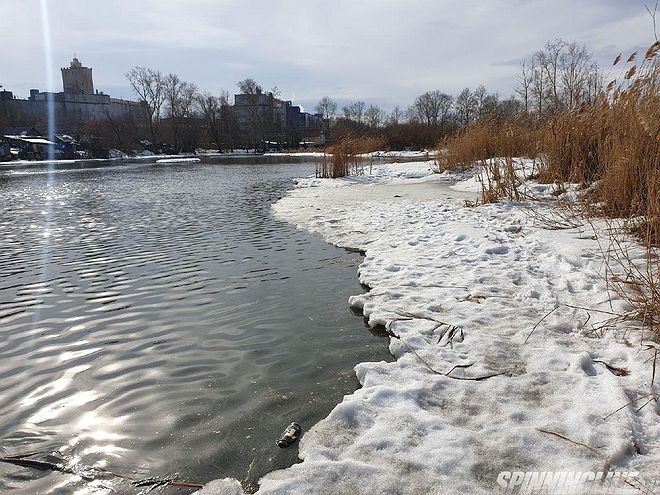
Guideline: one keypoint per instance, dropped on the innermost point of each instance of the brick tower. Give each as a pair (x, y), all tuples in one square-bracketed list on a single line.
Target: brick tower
[(77, 79)]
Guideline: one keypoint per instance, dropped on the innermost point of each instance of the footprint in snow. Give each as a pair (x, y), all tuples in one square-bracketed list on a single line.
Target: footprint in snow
[(497, 250)]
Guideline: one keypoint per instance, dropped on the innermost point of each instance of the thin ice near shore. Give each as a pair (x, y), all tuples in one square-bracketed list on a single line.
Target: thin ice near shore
[(566, 398)]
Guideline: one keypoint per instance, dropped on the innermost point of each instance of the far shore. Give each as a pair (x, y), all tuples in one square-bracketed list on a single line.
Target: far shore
[(386, 155)]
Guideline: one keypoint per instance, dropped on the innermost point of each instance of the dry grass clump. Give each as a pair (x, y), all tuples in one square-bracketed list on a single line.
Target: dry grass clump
[(343, 158), (488, 138), (499, 179)]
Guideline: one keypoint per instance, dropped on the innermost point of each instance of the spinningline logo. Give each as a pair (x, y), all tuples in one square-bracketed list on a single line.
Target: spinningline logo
[(573, 483)]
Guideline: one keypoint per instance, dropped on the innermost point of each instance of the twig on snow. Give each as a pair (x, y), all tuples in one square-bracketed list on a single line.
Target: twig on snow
[(540, 321), (627, 404), (548, 432), (614, 369), (447, 374)]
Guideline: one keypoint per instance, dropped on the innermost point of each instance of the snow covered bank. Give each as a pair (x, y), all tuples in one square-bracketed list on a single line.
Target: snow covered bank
[(306, 154), (473, 292), (116, 158), (420, 154), (411, 155), (179, 160)]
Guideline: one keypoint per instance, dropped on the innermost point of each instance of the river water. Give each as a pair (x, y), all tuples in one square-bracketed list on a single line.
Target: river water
[(156, 319)]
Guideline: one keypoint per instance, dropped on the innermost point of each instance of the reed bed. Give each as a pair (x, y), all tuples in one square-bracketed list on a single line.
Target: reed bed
[(611, 147), (615, 144), (489, 138)]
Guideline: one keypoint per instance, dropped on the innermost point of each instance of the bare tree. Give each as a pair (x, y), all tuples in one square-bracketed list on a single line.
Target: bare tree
[(180, 98), (433, 107), (148, 86), (653, 14), (211, 110), (576, 69), (465, 106), (249, 87), (550, 62), (490, 105), (327, 107), (563, 75), (537, 86), (374, 116), (594, 85), (524, 83), (253, 118), (396, 116), (229, 124), (411, 114), (480, 94), (355, 111), (124, 128), (508, 108)]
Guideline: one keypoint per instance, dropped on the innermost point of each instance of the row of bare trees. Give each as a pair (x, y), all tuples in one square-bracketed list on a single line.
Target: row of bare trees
[(432, 115), (175, 110), (561, 76), (433, 108)]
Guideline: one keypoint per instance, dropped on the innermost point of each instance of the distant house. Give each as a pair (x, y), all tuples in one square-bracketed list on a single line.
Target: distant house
[(32, 145), (21, 131), (313, 137), (5, 150)]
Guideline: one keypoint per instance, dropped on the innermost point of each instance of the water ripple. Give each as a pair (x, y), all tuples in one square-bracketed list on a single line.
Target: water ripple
[(157, 320)]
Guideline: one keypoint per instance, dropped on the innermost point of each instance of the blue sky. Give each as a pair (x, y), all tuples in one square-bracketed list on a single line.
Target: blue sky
[(382, 51)]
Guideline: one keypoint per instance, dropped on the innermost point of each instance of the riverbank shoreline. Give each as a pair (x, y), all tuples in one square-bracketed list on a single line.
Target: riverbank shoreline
[(20, 164), (504, 358)]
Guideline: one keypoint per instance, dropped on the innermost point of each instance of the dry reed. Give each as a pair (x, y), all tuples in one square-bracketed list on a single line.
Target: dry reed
[(488, 138), (343, 158)]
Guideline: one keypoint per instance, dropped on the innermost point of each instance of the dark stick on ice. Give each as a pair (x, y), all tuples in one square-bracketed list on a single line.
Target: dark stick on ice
[(655, 358), (613, 369), (87, 474)]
